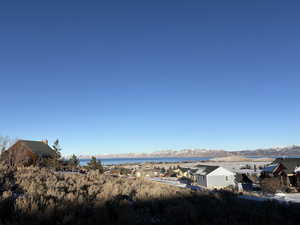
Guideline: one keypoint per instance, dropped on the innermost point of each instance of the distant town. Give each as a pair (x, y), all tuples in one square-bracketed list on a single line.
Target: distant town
[(293, 150)]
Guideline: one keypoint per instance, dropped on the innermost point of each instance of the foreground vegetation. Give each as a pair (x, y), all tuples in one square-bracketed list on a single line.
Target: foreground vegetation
[(31, 195)]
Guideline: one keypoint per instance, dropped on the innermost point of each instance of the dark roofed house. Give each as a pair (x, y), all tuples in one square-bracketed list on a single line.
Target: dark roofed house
[(288, 169), (27, 153), (206, 169), (290, 164)]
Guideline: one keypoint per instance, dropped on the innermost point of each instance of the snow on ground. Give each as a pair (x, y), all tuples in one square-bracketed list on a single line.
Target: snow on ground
[(175, 183), (288, 197), (281, 197), (168, 181)]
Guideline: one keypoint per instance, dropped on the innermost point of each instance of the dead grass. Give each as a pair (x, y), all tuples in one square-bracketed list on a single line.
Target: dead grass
[(35, 196)]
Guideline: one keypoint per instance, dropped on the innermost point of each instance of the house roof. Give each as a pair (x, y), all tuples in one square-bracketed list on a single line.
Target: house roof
[(205, 169), (270, 168), (184, 169), (187, 169), (38, 147), (243, 178), (193, 170), (289, 163)]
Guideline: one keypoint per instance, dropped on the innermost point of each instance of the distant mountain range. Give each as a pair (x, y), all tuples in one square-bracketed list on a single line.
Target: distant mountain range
[(278, 151)]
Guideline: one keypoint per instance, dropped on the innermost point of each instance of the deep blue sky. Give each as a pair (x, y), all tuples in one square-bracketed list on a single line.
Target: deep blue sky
[(139, 76)]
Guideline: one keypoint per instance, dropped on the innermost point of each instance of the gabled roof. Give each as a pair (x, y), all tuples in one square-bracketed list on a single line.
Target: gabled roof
[(289, 163), (38, 147), (205, 169), (270, 168)]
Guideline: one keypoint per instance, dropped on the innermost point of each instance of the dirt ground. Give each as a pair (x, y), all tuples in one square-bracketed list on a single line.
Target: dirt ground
[(234, 164)]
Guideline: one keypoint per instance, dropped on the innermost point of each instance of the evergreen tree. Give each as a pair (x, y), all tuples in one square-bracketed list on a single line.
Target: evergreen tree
[(54, 162), (74, 161), (56, 147), (95, 164)]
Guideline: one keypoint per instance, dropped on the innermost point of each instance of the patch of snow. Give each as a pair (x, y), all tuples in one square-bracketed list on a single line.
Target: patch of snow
[(280, 197), (288, 197), (175, 183), (297, 169)]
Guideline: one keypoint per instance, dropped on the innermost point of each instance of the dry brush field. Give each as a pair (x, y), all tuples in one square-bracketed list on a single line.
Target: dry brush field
[(40, 196)]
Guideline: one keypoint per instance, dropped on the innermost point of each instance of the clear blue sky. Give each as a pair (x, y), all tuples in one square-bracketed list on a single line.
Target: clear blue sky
[(139, 76)]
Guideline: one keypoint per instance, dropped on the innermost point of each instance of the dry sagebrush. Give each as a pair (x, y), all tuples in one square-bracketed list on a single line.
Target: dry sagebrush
[(31, 195), (43, 192), (36, 182)]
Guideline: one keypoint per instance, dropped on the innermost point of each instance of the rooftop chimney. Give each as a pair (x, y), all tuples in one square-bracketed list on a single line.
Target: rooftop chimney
[(45, 141)]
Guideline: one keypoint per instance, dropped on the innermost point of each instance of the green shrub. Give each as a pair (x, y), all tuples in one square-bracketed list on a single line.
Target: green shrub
[(95, 164)]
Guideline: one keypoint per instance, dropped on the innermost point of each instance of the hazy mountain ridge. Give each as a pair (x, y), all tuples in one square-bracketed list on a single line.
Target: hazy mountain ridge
[(293, 150)]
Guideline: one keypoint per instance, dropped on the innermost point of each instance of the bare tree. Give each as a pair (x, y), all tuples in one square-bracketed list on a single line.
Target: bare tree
[(6, 142), (271, 185)]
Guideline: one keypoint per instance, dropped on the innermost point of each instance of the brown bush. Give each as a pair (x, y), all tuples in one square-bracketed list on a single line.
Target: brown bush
[(271, 185), (41, 196)]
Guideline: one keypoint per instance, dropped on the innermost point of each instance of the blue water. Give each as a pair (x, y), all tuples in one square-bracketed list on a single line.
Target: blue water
[(116, 161)]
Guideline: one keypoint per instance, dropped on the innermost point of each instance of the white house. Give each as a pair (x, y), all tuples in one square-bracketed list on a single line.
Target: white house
[(214, 176)]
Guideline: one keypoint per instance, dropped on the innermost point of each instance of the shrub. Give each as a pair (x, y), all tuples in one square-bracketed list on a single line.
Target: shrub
[(32, 195), (74, 161), (95, 164), (271, 185)]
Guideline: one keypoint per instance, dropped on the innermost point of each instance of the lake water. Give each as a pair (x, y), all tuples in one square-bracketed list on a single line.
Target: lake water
[(116, 161)]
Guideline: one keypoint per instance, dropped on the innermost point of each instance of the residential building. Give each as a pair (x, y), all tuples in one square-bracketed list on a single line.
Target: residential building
[(287, 169), (27, 153), (147, 173), (213, 176), (185, 172)]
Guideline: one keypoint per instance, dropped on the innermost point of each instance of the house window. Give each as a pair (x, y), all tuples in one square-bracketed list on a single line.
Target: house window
[(226, 178)]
